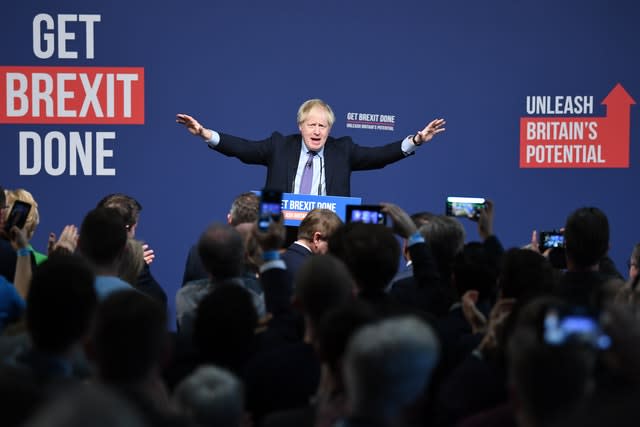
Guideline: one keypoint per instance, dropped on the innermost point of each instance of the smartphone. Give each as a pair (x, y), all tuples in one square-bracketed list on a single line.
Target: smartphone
[(574, 325), (18, 215), (550, 239), (369, 214), (270, 208), (468, 207)]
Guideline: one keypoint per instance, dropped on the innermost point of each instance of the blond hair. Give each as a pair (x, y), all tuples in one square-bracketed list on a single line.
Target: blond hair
[(308, 105), (33, 219)]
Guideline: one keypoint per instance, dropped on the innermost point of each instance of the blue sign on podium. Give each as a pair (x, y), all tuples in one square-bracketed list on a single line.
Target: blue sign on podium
[(296, 206)]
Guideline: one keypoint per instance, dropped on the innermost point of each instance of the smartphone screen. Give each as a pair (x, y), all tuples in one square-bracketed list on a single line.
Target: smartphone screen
[(468, 207), (18, 215), (369, 214), (270, 208), (551, 239)]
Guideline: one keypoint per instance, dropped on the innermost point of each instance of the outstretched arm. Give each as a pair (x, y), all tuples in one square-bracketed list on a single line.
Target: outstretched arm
[(194, 127)]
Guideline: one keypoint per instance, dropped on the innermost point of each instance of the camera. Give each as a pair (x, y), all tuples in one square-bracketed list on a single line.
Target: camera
[(369, 214), (574, 325), (468, 207), (550, 239), (270, 208), (18, 215)]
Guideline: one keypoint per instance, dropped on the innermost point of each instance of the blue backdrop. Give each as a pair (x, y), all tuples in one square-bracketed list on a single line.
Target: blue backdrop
[(244, 67)]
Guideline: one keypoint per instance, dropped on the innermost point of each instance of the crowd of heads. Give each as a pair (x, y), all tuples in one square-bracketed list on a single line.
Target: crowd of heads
[(472, 331)]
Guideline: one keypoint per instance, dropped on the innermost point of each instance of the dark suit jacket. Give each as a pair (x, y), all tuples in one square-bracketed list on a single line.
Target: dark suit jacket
[(280, 155), (294, 257)]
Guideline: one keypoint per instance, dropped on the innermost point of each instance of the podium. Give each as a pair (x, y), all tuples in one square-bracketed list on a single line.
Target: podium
[(296, 206)]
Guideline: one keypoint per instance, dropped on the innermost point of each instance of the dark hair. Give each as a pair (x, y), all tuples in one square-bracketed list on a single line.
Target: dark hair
[(525, 274), (322, 282), (370, 252), (586, 236), (130, 335), (336, 328), (128, 207), (61, 303), (222, 251), (224, 325), (103, 236), (475, 268)]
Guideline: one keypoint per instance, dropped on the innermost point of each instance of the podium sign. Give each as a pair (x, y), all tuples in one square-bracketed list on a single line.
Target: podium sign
[(296, 206)]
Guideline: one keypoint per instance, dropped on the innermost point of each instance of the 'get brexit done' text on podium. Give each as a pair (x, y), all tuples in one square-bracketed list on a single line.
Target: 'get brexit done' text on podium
[(296, 206)]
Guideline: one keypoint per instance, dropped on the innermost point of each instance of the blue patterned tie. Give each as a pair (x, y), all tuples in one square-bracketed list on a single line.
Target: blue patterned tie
[(307, 174)]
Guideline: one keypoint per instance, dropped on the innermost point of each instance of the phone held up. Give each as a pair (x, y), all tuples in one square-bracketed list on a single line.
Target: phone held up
[(468, 207), (18, 215), (574, 324), (270, 208), (550, 239), (369, 214)]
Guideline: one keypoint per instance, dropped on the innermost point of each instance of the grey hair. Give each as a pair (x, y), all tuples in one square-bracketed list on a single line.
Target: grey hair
[(211, 396), (388, 365)]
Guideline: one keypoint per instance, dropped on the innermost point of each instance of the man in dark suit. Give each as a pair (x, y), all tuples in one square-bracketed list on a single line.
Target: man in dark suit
[(313, 235), (326, 160)]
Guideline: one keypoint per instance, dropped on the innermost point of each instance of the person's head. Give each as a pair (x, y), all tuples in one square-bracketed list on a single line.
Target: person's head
[(224, 325), (446, 236), (128, 207), (525, 274), (474, 268), (388, 366), (85, 405), (420, 218), (211, 396), (33, 219), (61, 303), (103, 237), (634, 262), (252, 250), (315, 119), (316, 228), (129, 338), (548, 380), (322, 282), (245, 208), (222, 251), (131, 262), (335, 330), (586, 236), (370, 252)]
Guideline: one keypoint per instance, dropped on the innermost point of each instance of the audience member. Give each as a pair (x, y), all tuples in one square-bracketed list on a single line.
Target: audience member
[(87, 405), (322, 283), (60, 311), (129, 208), (313, 235), (102, 241), (244, 209), (586, 235), (387, 367), (33, 218), (222, 253), (130, 345), (211, 396)]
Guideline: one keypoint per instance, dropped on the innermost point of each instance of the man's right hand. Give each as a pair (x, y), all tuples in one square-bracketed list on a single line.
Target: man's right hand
[(193, 126)]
